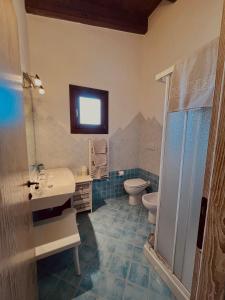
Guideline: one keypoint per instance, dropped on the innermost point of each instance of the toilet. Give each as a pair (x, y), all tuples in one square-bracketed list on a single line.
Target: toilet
[(135, 188), (150, 201)]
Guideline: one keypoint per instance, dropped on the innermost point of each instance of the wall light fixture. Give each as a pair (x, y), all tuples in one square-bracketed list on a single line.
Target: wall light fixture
[(30, 81)]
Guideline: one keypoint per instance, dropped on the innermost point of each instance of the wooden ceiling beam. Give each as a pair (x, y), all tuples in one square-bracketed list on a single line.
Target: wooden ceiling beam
[(90, 14), (126, 15)]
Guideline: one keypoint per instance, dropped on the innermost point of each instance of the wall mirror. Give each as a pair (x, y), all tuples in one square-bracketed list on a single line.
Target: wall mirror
[(30, 127)]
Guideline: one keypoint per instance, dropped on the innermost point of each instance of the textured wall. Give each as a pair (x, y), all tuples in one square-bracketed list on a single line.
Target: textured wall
[(124, 64), (149, 144), (64, 53), (175, 31), (137, 144)]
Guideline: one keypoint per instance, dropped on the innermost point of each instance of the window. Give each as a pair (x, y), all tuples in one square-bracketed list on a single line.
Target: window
[(88, 110)]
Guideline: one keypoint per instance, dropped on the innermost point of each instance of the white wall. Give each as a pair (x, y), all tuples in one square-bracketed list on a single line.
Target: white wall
[(175, 31), (63, 52), (19, 7)]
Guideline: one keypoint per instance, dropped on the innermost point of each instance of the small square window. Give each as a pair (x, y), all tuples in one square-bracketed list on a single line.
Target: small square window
[(88, 110)]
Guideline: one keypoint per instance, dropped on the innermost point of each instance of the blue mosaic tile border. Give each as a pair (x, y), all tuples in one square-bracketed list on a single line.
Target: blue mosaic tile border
[(113, 186)]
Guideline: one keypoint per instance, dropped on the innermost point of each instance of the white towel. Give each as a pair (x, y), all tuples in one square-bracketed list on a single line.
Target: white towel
[(100, 160), (101, 172), (100, 146)]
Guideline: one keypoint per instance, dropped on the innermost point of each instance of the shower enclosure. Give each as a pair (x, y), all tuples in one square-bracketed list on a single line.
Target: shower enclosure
[(187, 117), (184, 160)]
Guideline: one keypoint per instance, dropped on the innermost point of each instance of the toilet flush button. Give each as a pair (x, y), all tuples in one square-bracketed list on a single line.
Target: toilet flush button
[(121, 173)]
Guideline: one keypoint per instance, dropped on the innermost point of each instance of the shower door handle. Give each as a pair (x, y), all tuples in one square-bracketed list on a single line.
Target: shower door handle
[(201, 227)]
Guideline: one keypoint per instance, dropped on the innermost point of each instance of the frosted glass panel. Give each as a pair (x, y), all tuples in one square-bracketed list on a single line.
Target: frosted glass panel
[(169, 184), (196, 142)]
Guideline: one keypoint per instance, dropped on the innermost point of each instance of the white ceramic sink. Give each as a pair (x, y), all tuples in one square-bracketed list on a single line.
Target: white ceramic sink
[(56, 186)]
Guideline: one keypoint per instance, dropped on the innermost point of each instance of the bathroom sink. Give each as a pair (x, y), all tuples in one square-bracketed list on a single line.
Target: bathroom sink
[(56, 186)]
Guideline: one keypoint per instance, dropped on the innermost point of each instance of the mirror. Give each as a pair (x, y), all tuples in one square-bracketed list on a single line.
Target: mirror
[(30, 127)]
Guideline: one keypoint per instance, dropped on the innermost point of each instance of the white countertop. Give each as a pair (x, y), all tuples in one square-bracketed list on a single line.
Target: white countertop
[(86, 178)]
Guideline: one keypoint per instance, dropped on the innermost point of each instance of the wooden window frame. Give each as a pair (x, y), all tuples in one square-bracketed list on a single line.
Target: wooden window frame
[(79, 91)]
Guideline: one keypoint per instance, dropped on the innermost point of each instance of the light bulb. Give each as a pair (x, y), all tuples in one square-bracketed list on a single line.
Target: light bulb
[(37, 81), (41, 90)]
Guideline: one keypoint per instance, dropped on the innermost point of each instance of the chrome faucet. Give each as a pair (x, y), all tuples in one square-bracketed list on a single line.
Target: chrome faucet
[(40, 167)]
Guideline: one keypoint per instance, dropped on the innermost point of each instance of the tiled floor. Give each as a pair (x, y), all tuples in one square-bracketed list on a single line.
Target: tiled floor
[(112, 262)]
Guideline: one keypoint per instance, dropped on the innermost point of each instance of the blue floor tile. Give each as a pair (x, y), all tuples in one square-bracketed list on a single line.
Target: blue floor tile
[(84, 295), (105, 285), (112, 262), (139, 275), (103, 258), (63, 291), (135, 293), (157, 285), (124, 249), (86, 253), (119, 266), (156, 296), (71, 277), (138, 256), (46, 284), (140, 240)]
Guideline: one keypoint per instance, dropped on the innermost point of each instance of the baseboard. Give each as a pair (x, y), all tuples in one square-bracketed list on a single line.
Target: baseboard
[(177, 288)]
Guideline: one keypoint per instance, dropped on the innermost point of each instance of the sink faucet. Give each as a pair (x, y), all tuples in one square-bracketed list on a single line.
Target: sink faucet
[(40, 167)]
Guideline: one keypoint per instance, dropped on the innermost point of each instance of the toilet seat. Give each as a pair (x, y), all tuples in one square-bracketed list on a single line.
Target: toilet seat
[(136, 182), (135, 188)]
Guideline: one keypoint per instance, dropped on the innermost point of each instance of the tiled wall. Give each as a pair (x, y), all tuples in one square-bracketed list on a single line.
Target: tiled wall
[(113, 187), (137, 144)]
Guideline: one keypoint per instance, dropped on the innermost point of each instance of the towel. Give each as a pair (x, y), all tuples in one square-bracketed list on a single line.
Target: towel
[(101, 172), (100, 160), (100, 146)]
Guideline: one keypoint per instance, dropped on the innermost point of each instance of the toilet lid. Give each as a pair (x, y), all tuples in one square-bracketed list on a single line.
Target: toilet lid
[(135, 182)]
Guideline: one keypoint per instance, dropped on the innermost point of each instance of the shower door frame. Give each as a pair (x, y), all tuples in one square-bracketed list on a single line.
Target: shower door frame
[(165, 77), (166, 272)]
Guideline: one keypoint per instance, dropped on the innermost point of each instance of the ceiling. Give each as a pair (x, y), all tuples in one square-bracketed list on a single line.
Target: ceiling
[(125, 15)]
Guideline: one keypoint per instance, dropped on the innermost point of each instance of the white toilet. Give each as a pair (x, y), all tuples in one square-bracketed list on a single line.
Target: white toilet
[(150, 201), (135, 188)]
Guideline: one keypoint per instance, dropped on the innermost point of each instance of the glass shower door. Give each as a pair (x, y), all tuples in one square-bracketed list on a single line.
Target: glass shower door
[(195, 152), (182, 178), (170, 184)]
